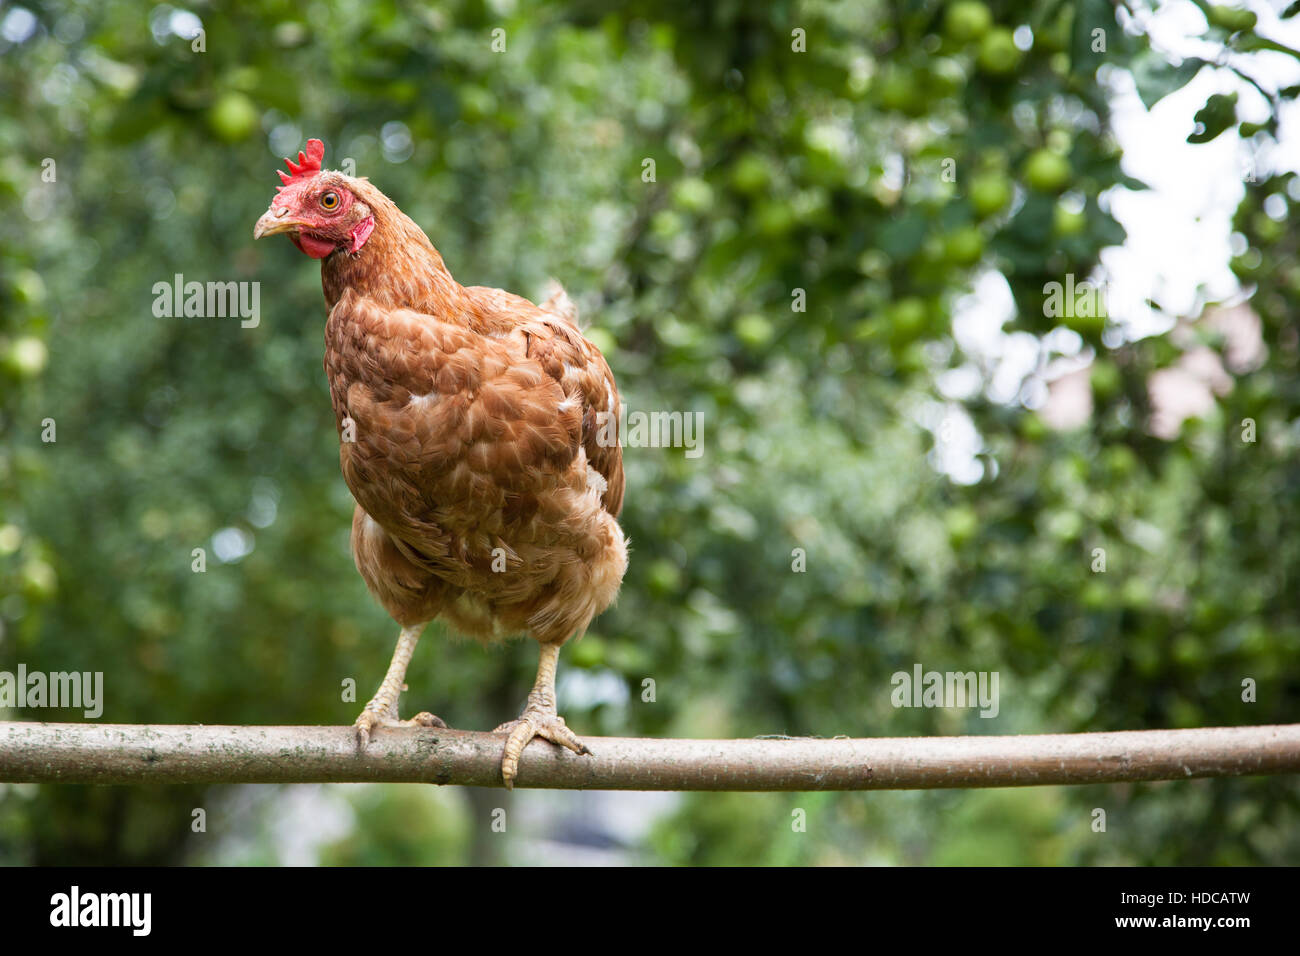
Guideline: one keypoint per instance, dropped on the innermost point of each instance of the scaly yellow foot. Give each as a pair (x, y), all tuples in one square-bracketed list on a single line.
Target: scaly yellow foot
[(535, 721), (382, 709), (370, 719), (539, 719)]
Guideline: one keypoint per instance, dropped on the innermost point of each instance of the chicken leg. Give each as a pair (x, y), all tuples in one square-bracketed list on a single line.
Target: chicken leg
[(382, 709), (539, 719)]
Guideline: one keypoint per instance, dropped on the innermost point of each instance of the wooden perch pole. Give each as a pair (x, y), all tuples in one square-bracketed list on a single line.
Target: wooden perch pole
[(152, 754)]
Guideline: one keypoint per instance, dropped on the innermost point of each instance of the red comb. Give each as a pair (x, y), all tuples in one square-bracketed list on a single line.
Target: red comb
[(308, 163)]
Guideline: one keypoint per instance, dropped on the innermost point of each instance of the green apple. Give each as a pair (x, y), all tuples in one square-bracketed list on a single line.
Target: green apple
[(26, 357), (967, 20), (693, 194), (750, 174), (962, 523), (897, 89), (1068, 222), (909, 359), (476, 103), (1266, 229), (964, 246), (990, 193), (907, 319), (1119, 460), (233, 117), (39, 582), (754, 330), (998, 53), (1047, 171), (774, 218), (943, 76), (665, 577), (588, 653), (29, 287)]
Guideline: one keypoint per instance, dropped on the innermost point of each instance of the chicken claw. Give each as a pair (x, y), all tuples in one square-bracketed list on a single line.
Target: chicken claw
[(382, 709), (539, 719), (535, 721), (370, 719)]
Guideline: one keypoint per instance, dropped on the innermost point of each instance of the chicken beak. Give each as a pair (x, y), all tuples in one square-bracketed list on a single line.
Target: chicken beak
[(275, 221)]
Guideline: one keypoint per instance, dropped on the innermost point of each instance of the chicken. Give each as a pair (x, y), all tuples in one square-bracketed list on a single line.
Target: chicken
[(478, 435)]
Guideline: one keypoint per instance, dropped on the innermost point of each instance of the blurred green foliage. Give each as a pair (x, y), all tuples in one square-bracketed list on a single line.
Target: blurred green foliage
[(827, 179)]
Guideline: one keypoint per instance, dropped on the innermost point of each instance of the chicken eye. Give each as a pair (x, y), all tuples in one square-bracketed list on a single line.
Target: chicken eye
[(330, 201)]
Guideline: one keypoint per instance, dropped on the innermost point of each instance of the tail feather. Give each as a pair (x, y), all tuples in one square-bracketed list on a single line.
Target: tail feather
[(558, 303)]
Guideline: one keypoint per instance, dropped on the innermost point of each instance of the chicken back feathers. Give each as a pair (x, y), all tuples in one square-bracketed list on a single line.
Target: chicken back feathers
[(471, 425)]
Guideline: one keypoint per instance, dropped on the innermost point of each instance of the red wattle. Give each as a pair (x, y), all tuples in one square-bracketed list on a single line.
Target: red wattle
[(314, 247)]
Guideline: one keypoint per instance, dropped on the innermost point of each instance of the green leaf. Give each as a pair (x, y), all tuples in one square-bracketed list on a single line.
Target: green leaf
[(1253, 43), (1156, 78), (1218, 113), (902, 237)]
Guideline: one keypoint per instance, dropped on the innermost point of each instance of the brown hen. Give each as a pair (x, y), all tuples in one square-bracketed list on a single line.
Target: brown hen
[(477, 434)]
